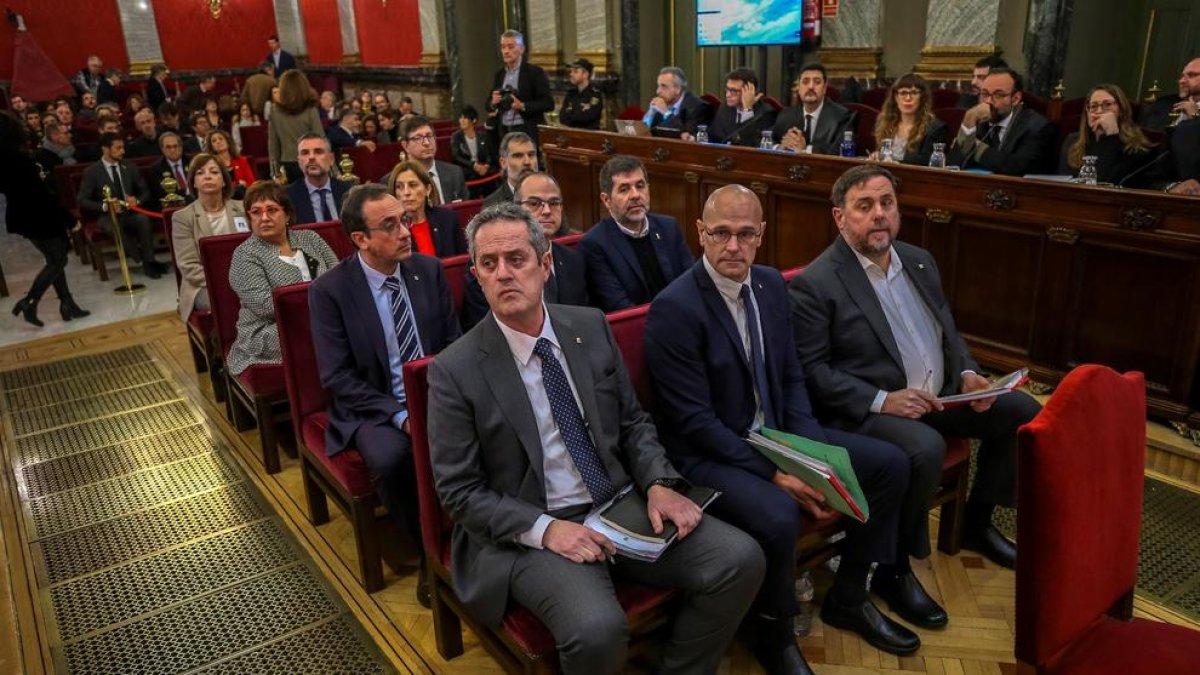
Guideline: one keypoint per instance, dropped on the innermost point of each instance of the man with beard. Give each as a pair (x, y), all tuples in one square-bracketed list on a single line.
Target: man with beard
[(817, 125), (317, 197), (632, 254), (983, 67), (518, 156), (146, 144), (420, 143), (1001, 134)]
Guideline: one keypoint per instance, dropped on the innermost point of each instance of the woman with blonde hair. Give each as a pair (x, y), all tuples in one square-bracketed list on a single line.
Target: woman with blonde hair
[(434, 229), (1108, 133), (293, 116), (907, 121)]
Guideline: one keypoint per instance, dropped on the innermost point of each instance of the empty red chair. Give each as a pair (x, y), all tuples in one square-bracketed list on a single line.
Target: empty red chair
[(456, 269), (466, 210), (864, 132), (952, 118), (945, 98)]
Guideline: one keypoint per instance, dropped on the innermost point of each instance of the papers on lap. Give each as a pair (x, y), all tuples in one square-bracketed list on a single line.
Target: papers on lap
[(1004, 385), (624, 520), (825, 468)]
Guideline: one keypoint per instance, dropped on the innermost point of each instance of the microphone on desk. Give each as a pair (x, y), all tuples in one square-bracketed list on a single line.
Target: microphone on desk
[(1138, 172)]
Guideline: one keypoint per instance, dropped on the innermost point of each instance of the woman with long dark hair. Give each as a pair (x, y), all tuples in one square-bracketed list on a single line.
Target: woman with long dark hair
[(907, 121), (293, 116), (34, 213)]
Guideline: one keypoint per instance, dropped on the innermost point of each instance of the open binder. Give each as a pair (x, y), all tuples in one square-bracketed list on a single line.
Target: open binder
[(824, 467)]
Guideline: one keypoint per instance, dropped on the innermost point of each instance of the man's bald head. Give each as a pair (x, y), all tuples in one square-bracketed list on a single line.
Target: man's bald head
[(724, 196), (731, 230)]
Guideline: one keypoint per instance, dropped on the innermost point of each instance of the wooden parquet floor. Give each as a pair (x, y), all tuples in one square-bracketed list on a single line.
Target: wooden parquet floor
[(977, 594)]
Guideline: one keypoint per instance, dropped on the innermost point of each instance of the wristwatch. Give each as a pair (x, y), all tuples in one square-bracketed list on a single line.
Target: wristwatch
[(676, 484)]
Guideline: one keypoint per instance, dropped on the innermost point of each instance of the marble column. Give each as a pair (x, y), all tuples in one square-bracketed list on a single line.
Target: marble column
[(141, 35), (350, 50), (544, 36), (290, 27), (515, 16), (433, 33), (592, 35), (852, 42), (1046, 40), (630, 87), (453, 61), (957, 34)]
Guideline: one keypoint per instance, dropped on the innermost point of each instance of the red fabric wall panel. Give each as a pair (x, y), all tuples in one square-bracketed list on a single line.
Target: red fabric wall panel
[(68, 32), (388, 36), (322, 31), (192, 40)]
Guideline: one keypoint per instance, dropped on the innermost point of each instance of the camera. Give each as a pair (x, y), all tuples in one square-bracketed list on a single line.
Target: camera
[(506, 97)]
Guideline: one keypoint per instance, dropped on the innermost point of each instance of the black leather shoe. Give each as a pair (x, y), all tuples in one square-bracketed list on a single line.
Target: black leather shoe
[(906, 597), (775, 648), (27, 309), (69, 310), (865, 619), (153, 270), (993, 545), (423, 587)]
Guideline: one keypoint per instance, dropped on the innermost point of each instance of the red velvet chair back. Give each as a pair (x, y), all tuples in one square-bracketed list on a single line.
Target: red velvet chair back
[(254, 141), (1079, 483), (334, 234), (952, 117), (792, 273), (774, 103), (1074, 106), (466, 210), (456, 270), (305, 394), (873, 98), (945, 98), (216, 253), (1035, 102), (864, 134), (627, 326), (374, 167), (632, 112), (436, 526), (67, 179)]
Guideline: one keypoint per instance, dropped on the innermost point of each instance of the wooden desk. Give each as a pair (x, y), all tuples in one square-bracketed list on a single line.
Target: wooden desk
[(1043, 274)]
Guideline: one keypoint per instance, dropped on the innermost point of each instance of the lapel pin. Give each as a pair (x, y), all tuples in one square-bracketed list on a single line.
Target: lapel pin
[(578, 340), (658, 236), (920, 266)]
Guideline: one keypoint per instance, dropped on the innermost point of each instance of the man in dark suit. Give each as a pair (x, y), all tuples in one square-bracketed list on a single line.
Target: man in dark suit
[(1001, 134), (156, 86), (282, 61), (420, 144), (318, 196), (540, 195), (173, 163), (970, 98), (146, 142), (533, 421), (520, 95), (632, 254), (1185, 102), (106, 91), (745, 114), (194, 98), (372, 313), (817, 125), (127, 187), (879, 346), (518, 158), (720, 350), (347, 132), (674, 108)]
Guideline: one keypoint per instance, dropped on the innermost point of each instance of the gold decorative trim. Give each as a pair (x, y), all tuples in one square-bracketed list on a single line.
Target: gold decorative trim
[(691, 177), (1062, 235), (607, 146), (432, 60), (939, 62), (661, 154), (863, 62), (1000, 200), (138, 68), (724, 163), (1140, 218), (562, 141), (759, 187), (798, 172), (546, 60), (600, 58), (352, 59), (939, 216)]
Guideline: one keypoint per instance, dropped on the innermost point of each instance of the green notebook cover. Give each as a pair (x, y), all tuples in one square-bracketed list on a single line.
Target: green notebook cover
[(835, 459), (628, 513)]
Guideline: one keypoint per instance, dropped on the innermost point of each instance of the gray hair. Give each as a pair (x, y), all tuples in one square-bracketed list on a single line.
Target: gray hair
[(168, 134), (513, 137), (356, 199), (514, 34), (677, 73), (507, 211), (857, 176)]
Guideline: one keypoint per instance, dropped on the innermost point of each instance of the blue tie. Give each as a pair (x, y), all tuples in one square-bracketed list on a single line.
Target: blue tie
[(570, 425), (406, 332), (326, 214), (756, 359)]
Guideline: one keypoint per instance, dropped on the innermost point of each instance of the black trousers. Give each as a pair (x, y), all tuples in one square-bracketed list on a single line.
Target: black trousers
[(53, 273), (387, 452)]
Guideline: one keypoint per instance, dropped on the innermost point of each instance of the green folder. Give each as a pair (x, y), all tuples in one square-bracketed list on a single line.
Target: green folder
[(824, 467)]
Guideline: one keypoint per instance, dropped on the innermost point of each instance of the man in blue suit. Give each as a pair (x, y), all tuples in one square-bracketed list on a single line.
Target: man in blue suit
[(347, 133), (721, 354), (318, 196), (372, 313), (283, 61), (633, 254)]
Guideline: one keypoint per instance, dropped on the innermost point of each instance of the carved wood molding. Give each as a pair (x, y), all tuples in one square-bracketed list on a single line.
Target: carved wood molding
[(759, 187), (1000, 200), (607, 146), (1062, 235), (724, 163), (798, 172), (661, 154), (1140, 218), (562, 141), (939, 216), (691, 177)]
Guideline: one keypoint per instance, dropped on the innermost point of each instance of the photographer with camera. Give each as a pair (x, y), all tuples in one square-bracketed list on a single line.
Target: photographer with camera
[(520, 92)]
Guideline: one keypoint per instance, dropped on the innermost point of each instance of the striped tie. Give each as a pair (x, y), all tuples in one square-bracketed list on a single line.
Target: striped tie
[(406, 331)]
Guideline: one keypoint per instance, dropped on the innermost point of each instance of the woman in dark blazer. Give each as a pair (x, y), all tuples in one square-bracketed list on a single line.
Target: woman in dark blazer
[(907, 120), (1108, 133), (475, 164), (434, 229), (34, 213)]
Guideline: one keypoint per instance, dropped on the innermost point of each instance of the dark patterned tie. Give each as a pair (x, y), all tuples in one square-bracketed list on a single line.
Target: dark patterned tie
[(326, 214), (570, 425), (406, 332), (757, 360)]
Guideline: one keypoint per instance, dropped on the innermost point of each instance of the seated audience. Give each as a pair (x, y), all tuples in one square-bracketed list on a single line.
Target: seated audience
[(907, 120), (1185, 149), (273, 255), (347, 133), (518, 532), (257, 89), (173, 163), (193, 98), (156, 86), (128, 189), (818, 124), (317, 197), (56, 148), (435, 230), (220, 143), (87, 110), (64, 113), (583, 104), (389, 131), (386, 299), (89, 77), (632, 254), (133, 104), (406, 107), (420, 145), (1001, 134), (212, 110), (327, 108), (245, 117), (674, 107), (540, 195), (472, 151), (294, 116), (518, 157), (200, 126), (370, 128), (214, 212), (745, 114), (146, 142), (970, 98), (381, 104), (1108, 133), (33, 124), (18, 105)]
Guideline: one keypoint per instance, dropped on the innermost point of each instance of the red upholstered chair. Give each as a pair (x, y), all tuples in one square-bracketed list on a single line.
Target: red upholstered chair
[(873, 98), (466, 210), (775, 104), (864, 134), (1079, 514), (254, 146), (456, 268), (258, 395), (206, 356), (344, 478), (627, 326), (945, 98), (632, 112), (953, 118), (571, 241), (524, 644), (334, 234), (374, 165)]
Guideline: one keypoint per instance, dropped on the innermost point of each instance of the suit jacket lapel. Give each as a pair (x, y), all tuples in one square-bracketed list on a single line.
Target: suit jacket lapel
[(716, 305), (859, 288), (362, 299), (665, 263), (500, 372)]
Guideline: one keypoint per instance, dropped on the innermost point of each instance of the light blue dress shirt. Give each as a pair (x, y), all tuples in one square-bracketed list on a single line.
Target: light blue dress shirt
[(383, 305)]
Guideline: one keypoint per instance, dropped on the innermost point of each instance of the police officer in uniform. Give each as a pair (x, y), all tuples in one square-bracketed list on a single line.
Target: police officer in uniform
[(583, 104)]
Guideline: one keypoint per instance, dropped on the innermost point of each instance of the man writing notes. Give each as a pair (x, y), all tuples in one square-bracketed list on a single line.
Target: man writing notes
[(532, 422), (719, 347), (879, 346)]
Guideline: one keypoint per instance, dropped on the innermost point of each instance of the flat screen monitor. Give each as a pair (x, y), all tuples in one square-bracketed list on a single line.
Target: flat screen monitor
[(724, 23)]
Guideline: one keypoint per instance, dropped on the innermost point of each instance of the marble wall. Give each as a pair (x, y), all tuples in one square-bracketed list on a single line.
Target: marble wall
[(348, 26), (141, 32), (290, 27), (858, 24), (962, 23), (544, 34), (432, 32)]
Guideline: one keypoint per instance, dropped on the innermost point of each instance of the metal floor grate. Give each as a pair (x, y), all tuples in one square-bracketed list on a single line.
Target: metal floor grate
[(44, 418), (107, 431), (76, 367), (331, 647), (82, 386)]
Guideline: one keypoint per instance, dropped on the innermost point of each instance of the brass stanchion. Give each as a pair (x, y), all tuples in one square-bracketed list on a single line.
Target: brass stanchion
[(346, 166), (171, 187), (111, 203)]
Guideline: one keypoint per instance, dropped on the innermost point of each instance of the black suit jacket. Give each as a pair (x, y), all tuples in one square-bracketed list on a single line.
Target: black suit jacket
[(349, 340), (1185, 148), (533, 88), (96, 176), (1027, 147), (936, 133), (462, 153), (298, 193), (156, 94), (192, 99), (339, 138), (447, 236), (106, 92), (567, 286), (693, 112), (844, 340), (615, 279), (834, 122), (286, 62), (725, 128), (502, 194), (142, 147)]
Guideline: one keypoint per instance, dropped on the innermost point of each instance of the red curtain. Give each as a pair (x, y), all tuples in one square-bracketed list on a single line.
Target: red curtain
[(67, 34)]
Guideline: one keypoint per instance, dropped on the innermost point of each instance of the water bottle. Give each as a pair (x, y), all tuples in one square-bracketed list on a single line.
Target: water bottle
[(1087, 172), (848, 144), (702, 133), (885, 151), (938, 159), (767, 142)]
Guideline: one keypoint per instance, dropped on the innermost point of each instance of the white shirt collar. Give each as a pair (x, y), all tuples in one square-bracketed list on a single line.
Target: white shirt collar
[(816, 113), (894, 264), (520, 344), (645, 231), (375, 278), (313, 188), (727, 287)]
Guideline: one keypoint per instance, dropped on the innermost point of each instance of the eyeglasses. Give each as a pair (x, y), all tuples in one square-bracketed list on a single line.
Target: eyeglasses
[(423, 138), (267, 211), (534, 204), (997, 95), (908, 93), (744, 237), (1101, 106), (733, 90), (389, 225)]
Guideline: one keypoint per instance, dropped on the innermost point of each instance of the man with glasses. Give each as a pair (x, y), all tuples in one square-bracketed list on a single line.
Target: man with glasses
[(317, 197), (383, 306), (745, 114), (420, 144), (1001, 134), (984, 66), (720, 350), (818, 124), (518, 157), (540, 195)]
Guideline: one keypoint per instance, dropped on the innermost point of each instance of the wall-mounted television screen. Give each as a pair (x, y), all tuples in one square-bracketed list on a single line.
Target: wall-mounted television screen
[(723, 23)]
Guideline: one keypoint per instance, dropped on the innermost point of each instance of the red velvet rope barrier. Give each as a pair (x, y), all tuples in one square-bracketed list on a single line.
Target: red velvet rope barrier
[(139, 209), (485, 179)]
